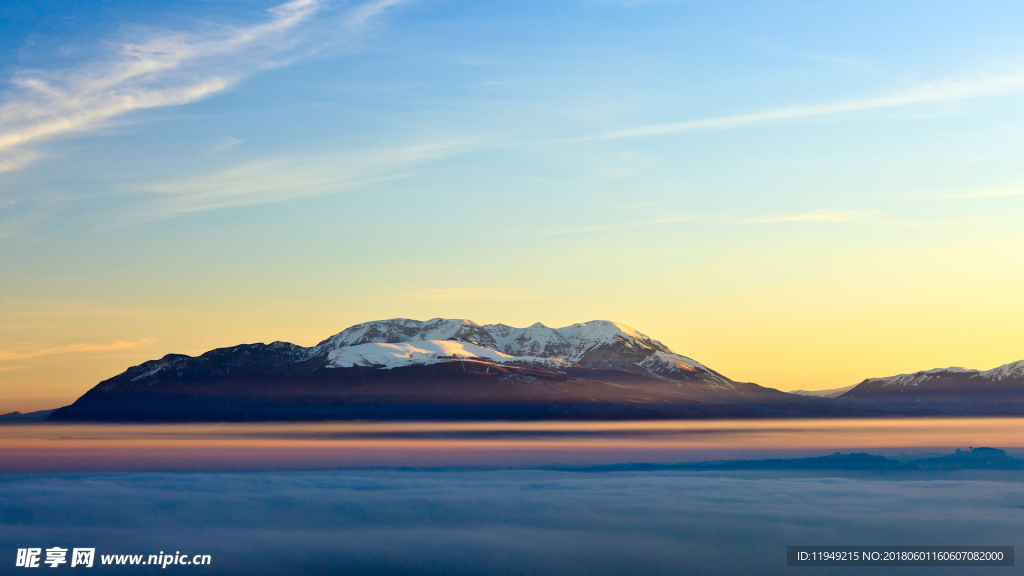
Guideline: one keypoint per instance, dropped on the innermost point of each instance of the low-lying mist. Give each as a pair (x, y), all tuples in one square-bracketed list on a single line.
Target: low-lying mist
[(496, 522)]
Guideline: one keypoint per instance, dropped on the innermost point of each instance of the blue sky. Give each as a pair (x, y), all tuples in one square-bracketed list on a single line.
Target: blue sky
[(801, 195)]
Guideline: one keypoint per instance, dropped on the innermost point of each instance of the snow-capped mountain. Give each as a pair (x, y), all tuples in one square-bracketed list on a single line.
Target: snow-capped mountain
[(536, 340), (944, 390), (442, 369), (597, 344), (422, 352), (1009, 371), (1005, 372), (404, 330), (434, 369)]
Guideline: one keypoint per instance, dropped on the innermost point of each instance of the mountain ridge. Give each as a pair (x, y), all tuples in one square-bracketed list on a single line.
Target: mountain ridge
[(962, 391), (434, 369), (457, 369), (593, 344)]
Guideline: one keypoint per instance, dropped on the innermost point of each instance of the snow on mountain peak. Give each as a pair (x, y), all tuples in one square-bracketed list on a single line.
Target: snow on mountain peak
[(586, 337), (536, 340), (1011, 370), (405, 330), (420, 352), (598, 344)]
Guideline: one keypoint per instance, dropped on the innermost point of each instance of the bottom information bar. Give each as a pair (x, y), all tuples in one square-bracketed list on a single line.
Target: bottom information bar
[(899, 555)]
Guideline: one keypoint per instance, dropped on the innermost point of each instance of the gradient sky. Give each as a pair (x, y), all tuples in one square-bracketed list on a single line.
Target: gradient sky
[(799, 195)]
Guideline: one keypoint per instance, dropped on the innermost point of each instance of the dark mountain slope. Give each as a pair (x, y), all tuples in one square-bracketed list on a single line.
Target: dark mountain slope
[(943, 391), (457, 390)]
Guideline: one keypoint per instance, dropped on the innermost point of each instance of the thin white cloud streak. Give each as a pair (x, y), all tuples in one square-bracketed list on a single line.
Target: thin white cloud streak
[(16, 160), (70, 114), (817, 216), (628, 225), (992, 194), (22, 353), (359, 16), (782, 50), (13, 221), (464, 294), (230, 142), (278, 179), (851, 62), (167, 68), (820, 216), (943, 91)]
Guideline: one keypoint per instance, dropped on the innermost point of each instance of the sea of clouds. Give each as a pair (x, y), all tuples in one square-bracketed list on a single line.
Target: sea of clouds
[(497, 522)]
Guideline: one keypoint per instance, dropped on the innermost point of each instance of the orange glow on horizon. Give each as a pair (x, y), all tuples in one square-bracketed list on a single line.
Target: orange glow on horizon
[(333, 445)]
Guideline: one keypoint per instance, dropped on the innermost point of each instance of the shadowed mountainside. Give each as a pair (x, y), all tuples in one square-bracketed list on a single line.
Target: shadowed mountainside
[(457, 390)]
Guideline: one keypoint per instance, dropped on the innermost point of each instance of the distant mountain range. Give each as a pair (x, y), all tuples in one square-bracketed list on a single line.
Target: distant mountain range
[(943, 391), (971, 459), (444, 369), (19, 418)]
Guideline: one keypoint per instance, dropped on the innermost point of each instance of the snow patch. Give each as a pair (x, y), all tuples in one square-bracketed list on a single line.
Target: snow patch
[(1011, 370), (420, 352), (402, 341), (830, 393)]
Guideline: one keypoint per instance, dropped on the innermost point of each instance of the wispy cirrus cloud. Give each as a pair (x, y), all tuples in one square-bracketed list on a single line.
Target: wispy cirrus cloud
[(281, 178), (464, 294), (22, 353), (15, 217), (818, 216), (824, 216), (162, 69), (629, 225), (988, 194), (784, 50), (360, 15), (942, 91)]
